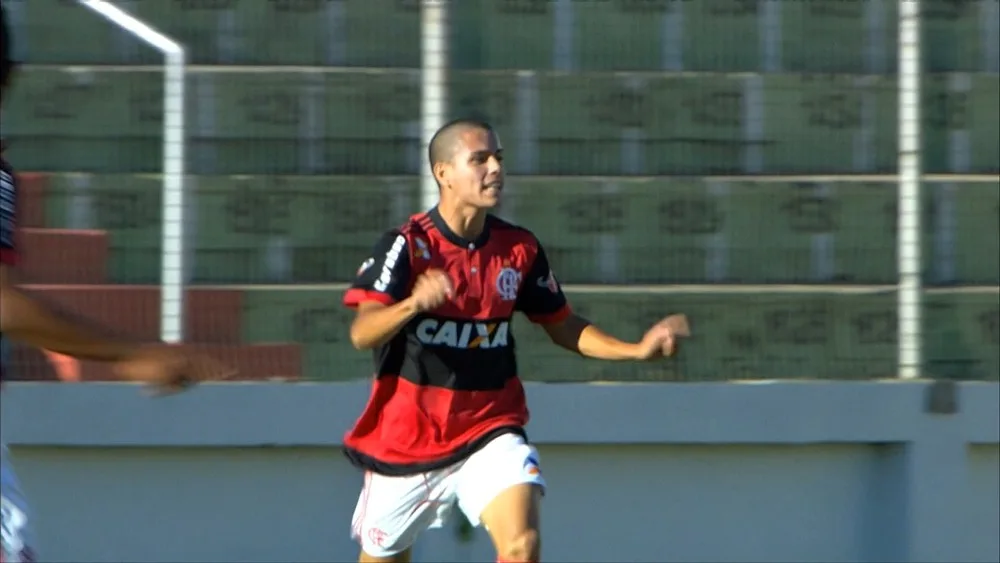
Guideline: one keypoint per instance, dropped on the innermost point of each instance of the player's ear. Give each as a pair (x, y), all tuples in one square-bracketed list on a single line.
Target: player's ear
[(440, 171)]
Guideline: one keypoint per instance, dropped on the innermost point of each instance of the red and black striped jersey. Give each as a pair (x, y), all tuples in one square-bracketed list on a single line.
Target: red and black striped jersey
[(8, 210), (448, 382), (8, 203)]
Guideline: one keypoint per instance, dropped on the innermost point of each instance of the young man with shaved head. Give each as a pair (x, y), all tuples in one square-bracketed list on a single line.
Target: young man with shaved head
[(444, 425)]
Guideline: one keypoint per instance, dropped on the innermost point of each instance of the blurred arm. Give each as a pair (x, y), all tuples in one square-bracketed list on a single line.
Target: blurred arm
[(26, 318)]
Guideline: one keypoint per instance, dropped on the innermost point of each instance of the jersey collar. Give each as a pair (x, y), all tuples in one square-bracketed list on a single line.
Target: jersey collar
[(454, 238)]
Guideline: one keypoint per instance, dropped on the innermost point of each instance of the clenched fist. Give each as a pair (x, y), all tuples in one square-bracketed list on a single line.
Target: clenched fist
[(661, 340), (170, 370), (431, 290)]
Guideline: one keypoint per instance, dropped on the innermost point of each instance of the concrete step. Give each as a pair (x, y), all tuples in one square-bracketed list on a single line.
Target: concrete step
[(212, 315), (253, 362), (62, 256), (31, 189)]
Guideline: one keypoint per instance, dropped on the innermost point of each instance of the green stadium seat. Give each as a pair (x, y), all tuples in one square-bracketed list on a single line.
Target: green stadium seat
[(831, 36), (250, 229), (727, 35), (958, 107), (226, 32), (316, 320), (205, 27), (777, 334), (86, 118), (555, 35), (239, 121), (264, 121), (64, 32), (656, 231), (315, 229), (962, 334), (976, 244), (481, 35), (955, 35), (338, 122), (294, 32), (625, 124), (396, 24)]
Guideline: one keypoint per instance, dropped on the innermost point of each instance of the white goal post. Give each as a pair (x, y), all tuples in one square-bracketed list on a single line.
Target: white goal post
[(172, 274), (910, 178)]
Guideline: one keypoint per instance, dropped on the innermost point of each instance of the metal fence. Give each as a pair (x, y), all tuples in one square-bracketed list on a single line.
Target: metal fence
[(815, 183)]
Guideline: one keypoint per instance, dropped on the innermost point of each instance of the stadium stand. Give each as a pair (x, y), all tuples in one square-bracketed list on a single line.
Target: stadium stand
[(742, 149)]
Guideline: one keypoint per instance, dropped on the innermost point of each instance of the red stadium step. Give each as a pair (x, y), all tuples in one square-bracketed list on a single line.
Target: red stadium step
[(212, 315), (253, 362), (58, 256), (31, 187)]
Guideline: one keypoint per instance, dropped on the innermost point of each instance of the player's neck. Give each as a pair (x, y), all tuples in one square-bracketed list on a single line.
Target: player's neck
[(466, 222)]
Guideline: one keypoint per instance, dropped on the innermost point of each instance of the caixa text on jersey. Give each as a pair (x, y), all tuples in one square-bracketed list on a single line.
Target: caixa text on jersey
[(452, 334)]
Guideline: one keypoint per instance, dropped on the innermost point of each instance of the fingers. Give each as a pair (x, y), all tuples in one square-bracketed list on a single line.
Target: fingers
[(678, 325), (667, 347), (440, 282), (204, 368), (662, 338), (189, 369), (432, 289)]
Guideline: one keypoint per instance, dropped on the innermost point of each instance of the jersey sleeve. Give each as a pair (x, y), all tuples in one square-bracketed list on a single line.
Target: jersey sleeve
[(541, 298), (385, 275), (8, 203)]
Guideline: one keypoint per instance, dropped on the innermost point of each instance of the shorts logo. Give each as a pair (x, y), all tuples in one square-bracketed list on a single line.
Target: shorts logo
[(13, 522), (531, 466), (26, 556), (463, 335), (377, 536), (508, 282)]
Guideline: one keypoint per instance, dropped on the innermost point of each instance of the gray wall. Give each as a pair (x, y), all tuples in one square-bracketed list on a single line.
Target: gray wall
[(814, 471)]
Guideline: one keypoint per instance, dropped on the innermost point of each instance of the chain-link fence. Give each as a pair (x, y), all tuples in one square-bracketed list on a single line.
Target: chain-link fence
[(732, 159)]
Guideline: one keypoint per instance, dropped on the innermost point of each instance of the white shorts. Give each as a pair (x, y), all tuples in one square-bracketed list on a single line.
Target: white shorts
[(17, 543), (393, 511)]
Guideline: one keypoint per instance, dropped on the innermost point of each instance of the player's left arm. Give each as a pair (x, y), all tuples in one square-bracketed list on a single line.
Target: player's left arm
[(542, 300)]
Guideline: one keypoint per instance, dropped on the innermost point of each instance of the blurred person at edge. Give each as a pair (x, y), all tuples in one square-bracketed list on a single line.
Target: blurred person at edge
[(27, 318)]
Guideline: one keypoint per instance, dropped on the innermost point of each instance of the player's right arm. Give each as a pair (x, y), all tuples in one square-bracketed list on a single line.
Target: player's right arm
[(382, 296)]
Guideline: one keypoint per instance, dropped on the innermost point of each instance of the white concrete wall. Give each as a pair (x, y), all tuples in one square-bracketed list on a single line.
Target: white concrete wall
[(715, 472)]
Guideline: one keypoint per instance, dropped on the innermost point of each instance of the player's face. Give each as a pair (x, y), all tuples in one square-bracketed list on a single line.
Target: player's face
[(476, 173)]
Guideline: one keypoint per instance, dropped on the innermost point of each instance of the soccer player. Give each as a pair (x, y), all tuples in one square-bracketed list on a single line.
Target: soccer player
[(445, 421), (26, 318)]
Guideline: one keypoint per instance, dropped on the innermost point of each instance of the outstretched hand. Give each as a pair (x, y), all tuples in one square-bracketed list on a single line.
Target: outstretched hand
[(661, 340), (171, 370)]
